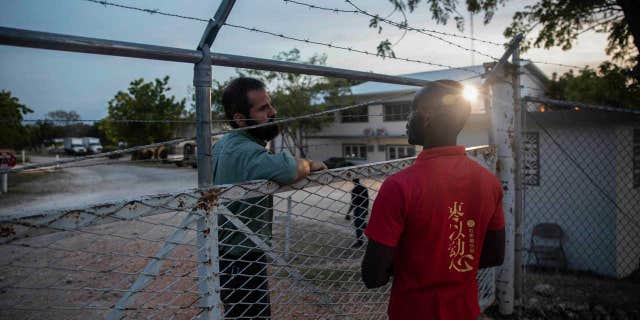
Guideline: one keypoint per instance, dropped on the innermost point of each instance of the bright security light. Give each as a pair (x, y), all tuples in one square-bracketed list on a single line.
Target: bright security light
[(470, 93)]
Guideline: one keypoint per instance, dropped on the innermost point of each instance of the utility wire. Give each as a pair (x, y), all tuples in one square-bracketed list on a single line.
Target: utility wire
[(176, 141), (123, 120)]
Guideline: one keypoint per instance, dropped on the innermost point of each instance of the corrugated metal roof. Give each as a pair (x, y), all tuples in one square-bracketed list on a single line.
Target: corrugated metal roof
[(452, 74)]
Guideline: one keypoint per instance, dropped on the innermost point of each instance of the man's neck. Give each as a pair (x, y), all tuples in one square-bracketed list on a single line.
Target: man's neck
[(438, 144)]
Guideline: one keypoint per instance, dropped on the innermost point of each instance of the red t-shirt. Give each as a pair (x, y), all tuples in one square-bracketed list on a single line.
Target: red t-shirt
[(436, 213)]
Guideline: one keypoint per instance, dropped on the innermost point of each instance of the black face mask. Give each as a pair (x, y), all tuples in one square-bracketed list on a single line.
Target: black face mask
[(266, 133), (415, 129)]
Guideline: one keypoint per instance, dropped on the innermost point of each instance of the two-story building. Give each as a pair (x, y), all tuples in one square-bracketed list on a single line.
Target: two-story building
[(377, 132)]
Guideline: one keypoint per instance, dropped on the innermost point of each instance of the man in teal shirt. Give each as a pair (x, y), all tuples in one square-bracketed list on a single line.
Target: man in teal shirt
[(238, 157)]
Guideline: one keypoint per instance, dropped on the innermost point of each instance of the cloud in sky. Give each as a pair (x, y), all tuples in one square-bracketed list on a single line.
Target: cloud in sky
[(48, 80)]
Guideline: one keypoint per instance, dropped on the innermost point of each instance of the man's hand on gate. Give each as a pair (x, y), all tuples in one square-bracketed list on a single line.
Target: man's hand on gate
[(317, 165)]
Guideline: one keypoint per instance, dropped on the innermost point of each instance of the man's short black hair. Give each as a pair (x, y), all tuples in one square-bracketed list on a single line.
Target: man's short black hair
[(235, 98)]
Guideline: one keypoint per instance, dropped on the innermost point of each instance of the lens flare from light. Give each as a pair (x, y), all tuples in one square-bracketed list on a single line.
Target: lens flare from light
[(470, 93)]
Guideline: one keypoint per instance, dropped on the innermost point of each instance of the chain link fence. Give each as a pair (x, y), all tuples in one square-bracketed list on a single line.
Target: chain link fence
[(581, 221), (157, 257)]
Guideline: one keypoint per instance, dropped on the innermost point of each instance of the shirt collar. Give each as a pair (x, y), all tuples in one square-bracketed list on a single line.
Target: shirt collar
[(442, 152), (252, 138)]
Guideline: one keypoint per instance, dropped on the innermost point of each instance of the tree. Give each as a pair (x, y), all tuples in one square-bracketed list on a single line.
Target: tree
[(295, 95), (13, 134), (62, 118), (143, 101), (608, 85), (560, 22)]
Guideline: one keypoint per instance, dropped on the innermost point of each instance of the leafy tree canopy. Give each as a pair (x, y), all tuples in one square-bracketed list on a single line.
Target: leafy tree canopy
[(13, 134), (143, 101), (558, 23), (609, 85)]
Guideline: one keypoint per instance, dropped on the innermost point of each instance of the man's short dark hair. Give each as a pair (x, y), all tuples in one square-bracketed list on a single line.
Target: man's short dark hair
[(235, 98), (444, 98)]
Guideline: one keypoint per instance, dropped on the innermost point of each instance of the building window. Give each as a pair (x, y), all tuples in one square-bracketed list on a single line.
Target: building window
[(354, 151), (357, 114), (531, 161), (636, 158), (398, 111), (399, 152)]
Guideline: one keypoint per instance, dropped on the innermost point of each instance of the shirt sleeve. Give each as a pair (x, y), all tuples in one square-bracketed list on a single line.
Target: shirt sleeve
[(388, 215), (280, 167), (497, 219)]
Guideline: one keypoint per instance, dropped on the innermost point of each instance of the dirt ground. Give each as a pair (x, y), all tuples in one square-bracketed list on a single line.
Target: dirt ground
[(556, 295), (82, 274)]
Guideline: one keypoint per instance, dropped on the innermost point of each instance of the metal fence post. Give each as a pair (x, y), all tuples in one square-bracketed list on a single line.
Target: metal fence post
[(502, 121), (519, 157), (208, 254), (207, 239)]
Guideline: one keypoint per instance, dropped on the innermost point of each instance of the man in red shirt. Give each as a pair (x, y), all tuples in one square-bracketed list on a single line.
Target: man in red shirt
[(435, 223)]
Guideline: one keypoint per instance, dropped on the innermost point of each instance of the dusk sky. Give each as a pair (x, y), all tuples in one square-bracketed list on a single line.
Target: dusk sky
[(47, 80)]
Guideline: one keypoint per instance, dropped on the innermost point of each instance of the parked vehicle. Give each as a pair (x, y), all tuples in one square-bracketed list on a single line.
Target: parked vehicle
[(92, 145), (182, 153), (74, 146), (336, 162)]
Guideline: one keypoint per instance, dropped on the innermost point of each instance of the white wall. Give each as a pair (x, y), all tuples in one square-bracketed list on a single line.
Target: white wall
[(567, 197), (628, 200)]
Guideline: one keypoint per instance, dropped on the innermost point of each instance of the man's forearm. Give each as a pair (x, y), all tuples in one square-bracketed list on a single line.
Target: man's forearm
[(376, 265), (303, 169)]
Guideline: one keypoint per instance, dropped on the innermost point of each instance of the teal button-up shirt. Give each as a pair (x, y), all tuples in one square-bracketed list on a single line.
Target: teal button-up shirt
[(237, 158)]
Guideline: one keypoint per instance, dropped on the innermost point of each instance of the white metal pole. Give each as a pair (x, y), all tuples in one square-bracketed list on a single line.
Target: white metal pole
[(502, 118), (23, 157), (519, 155)]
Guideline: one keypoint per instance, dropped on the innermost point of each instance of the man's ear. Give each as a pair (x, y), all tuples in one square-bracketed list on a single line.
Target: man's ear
[(239, 118), (426, 118)]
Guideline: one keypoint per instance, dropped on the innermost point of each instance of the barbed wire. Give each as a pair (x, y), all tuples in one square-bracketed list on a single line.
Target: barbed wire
[(150, 11), (405, 26), (345, 48), (394, 23), (556, 64), (427, 32), (362, 12), (281, 35)]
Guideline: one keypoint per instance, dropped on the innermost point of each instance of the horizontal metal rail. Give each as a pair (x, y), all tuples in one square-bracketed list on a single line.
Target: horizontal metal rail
[(62, 42), (573, 104), (96, 214)]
